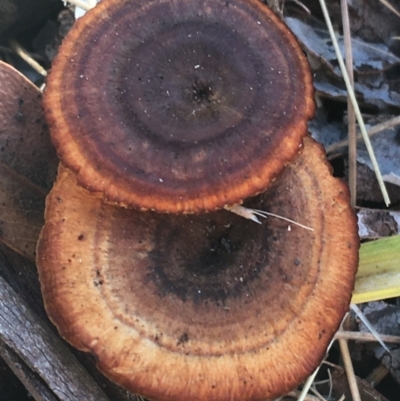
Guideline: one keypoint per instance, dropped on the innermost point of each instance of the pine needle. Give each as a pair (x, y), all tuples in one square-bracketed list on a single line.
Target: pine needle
[(348, 365), (354, 103), (367, 337), (18, 49), (350, 110), (370, 327), (390, 7)]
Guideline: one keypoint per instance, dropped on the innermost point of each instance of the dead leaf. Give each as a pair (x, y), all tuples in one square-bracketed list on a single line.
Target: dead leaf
[(371, 61), (28, 162), (375, 223), (386, 146)]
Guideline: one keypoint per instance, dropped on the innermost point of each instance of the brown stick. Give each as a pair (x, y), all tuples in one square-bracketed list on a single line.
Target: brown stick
[(25, 336)]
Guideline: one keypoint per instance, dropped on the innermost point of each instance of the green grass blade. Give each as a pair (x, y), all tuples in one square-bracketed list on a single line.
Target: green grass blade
[(378, 274)]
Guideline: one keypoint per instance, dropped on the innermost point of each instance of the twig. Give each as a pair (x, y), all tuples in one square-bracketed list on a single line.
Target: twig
[(34, 342), (371, 132), (27, 57), (377, 375), (350, 110), (361, 336), (354, 103), (348, 366)]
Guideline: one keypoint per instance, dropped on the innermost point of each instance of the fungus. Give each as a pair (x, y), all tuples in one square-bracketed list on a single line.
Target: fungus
[(203, 307), (178, 106)]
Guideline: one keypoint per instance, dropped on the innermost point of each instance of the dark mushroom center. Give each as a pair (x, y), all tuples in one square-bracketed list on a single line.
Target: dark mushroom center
[(202, 91), (192, 82), (209, 259), (177, 99), (198, 275)]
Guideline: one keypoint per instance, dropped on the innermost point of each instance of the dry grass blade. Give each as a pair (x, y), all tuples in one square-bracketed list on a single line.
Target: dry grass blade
[(251, 214), (317, 394), (307, 386), (303, 6), (350, 110), (330, 384), (18, 49), (354, 103), (264, 214), (390, 7)]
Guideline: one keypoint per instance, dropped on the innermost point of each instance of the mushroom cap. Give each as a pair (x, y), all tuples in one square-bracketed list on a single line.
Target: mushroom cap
[(178, 106), (203, 307)]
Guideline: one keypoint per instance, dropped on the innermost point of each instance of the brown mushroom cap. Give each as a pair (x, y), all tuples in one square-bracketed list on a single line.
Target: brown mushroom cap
[(203, 307), (178, 106)]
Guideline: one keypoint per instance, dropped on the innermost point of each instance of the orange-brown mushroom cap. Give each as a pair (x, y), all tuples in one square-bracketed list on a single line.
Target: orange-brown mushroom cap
[(208, 307), (178, 106)]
